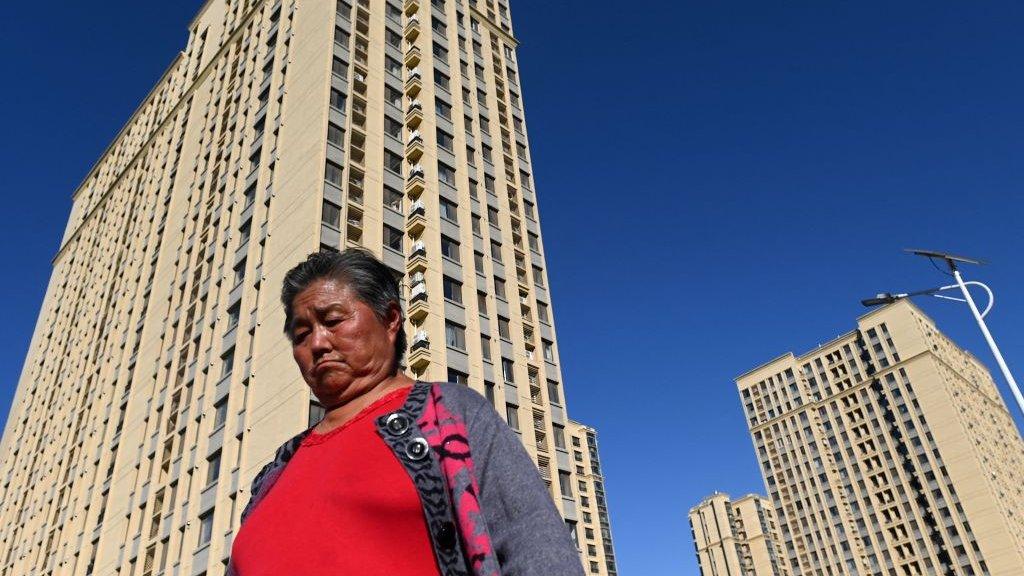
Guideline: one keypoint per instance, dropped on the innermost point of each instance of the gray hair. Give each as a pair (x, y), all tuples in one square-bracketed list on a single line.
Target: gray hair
[(369, 278)]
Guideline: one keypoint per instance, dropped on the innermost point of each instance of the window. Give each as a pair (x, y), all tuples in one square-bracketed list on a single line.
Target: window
[(233, 314), (438, 27), (394, 12), (445, 140), (213, 468), (506, 370), (485, 347), (472, 189), (489, 391), (533, 241), (393, 198), (393, 96), (335, 134), (499, 287), (443, 109), (542, 312), (455, 336), (565, 483), (549, 351), (538, 276), (250, 195), (481, 302), (441, 80), (449, 210), (341, 37), (393, 162), (339, 67), (220, 413), (394, 39), (227, 363), (481, 97), (393, 66), (496, 250), (394, 238), (331, 214), (559, 434), (393, 127), (239, 273), (458, 377), (476, 224), (452, 290), (205, 528), (572, 532), (503, 328), (316, 413), (553, 395), (337, 99), (492, 216), (528, 209), (333, 173), (440, 52), (449, 248), (512, 415), (446, 173), (487, 152), (344, 8), (488, 182)]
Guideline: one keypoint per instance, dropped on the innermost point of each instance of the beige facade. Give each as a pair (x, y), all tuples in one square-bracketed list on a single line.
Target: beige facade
[(736, 537), (158, 381), (594, 531), (889, 451)]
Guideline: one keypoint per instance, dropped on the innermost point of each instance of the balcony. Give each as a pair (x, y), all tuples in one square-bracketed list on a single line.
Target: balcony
[(414, 146), (412, 29), (415, 183), (415, 114), (417, 219), (413, 83), (418, 306), (412, 57)]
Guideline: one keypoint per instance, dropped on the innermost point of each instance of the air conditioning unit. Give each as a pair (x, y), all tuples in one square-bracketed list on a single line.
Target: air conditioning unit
[(418, 289), (418, 246), (413, 135), (421, 336), (417, 277)]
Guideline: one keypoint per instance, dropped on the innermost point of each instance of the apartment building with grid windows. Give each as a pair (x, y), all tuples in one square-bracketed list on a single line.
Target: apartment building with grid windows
[(593, 533), (158, 381), (889, 450), (736, 537)]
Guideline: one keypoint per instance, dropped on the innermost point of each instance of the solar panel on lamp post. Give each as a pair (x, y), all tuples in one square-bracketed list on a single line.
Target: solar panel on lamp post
[(951, 260)]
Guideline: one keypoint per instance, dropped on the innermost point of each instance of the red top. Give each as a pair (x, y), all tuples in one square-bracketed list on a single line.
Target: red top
[(343, 505)]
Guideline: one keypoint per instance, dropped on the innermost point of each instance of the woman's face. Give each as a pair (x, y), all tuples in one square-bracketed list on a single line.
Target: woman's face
[(343, 350)]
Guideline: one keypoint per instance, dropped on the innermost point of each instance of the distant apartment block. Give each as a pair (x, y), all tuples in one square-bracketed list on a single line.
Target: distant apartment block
[(158, 381), (889, 450), (596, 542), (736, 537)]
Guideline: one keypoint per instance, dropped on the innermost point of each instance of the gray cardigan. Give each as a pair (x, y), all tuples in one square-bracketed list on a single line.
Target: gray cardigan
[(487, 509)]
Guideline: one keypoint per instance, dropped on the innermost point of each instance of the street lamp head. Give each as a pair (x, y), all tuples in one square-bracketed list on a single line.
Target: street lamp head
[(879, 299)]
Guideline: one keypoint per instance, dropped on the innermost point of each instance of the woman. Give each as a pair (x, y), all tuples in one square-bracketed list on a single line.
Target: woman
[(399, 477)]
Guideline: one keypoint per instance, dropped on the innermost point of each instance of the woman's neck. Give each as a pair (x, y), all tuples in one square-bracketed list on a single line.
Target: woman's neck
[(341, 413)]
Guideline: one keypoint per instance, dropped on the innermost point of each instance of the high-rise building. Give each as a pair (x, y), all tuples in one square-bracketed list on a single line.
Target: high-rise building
[(158, 381), (736, 537), (595, 539), (889, 450)]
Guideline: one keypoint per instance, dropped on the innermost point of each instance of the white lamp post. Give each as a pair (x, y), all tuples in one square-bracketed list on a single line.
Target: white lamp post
[(951, 261)]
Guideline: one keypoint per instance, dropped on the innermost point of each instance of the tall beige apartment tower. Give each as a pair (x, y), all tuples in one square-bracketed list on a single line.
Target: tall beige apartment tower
[(889, 450), (736, 537), (593, 534), (158, 380)]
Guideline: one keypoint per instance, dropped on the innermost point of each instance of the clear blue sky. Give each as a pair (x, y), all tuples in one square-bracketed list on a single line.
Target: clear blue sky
[(719, 183)]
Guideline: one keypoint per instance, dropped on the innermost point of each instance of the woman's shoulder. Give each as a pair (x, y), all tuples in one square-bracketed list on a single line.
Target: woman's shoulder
[(460, 398)]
